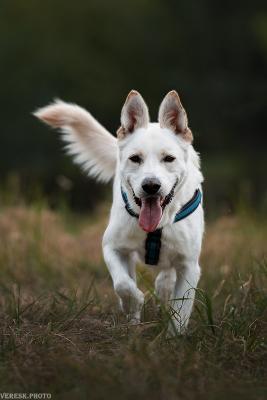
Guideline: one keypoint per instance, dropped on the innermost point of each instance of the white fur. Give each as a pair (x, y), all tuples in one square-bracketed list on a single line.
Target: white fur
[(92, 146), (172, 113), (134, 106), (123, 242)]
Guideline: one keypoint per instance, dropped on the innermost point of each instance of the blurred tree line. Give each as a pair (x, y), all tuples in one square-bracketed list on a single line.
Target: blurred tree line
[(93, 52)]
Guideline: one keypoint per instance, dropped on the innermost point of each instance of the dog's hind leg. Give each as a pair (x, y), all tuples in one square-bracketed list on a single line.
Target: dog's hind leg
[(122, 270)]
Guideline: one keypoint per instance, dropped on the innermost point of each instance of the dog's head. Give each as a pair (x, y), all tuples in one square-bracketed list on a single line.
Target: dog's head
[(153, 156)]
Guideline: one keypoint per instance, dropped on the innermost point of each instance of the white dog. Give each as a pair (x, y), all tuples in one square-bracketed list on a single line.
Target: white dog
[(156, 215)]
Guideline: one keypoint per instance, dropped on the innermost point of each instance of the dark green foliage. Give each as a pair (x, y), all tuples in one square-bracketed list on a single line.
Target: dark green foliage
[(94, 52)]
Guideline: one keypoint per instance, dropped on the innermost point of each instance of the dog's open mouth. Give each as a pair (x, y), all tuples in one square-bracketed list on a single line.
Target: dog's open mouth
[(152, 208), (151, 213)]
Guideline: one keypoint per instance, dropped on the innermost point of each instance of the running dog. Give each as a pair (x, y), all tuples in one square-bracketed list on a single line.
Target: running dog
[(157, 216)]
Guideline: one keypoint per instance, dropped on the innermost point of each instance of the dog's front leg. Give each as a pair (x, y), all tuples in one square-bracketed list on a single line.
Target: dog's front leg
[(122, 271), (164, 285), (183, 297)]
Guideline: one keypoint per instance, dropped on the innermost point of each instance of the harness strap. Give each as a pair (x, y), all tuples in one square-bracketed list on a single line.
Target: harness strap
[(189, 207), (153, 239), (152, 246), (127, 205)]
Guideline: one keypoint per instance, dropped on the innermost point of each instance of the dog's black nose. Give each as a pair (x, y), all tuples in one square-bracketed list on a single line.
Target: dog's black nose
[(151, 185)]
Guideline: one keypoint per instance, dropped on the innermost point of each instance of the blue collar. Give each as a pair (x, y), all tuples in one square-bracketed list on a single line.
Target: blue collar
[(153, 239), (184, 212)]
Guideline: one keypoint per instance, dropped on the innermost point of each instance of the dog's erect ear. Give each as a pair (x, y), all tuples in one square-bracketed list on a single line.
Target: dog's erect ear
[(134, 114), (172, 115)]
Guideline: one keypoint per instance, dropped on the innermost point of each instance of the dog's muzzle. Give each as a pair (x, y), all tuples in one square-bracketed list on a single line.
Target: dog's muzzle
[(152, 204)]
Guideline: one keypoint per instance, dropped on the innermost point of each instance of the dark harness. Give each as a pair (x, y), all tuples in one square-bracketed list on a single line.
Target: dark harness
[(153, 239)]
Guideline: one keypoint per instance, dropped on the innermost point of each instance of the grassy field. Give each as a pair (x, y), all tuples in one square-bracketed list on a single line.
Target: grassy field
[(61, 331)]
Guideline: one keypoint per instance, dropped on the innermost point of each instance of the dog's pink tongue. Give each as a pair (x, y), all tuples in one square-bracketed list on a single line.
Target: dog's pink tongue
[(150, 214)]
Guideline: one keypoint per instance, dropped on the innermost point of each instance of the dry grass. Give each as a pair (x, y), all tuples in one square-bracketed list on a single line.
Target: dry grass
[(61, 331)]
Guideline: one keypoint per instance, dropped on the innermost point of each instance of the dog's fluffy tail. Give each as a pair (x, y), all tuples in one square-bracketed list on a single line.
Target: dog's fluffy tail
[(89, 142)]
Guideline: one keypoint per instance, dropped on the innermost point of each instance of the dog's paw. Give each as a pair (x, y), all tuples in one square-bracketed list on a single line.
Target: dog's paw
[(131, 298), (175, 329), (134, 320)]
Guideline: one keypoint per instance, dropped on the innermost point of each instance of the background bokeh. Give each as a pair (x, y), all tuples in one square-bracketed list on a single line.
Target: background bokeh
[(93, 52)]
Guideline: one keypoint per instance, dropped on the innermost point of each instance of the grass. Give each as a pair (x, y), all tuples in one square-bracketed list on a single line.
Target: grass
[(61, 331)]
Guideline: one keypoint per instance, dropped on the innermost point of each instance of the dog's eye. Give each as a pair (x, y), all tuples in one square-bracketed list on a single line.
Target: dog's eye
[(136, 159), (168, 158)]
